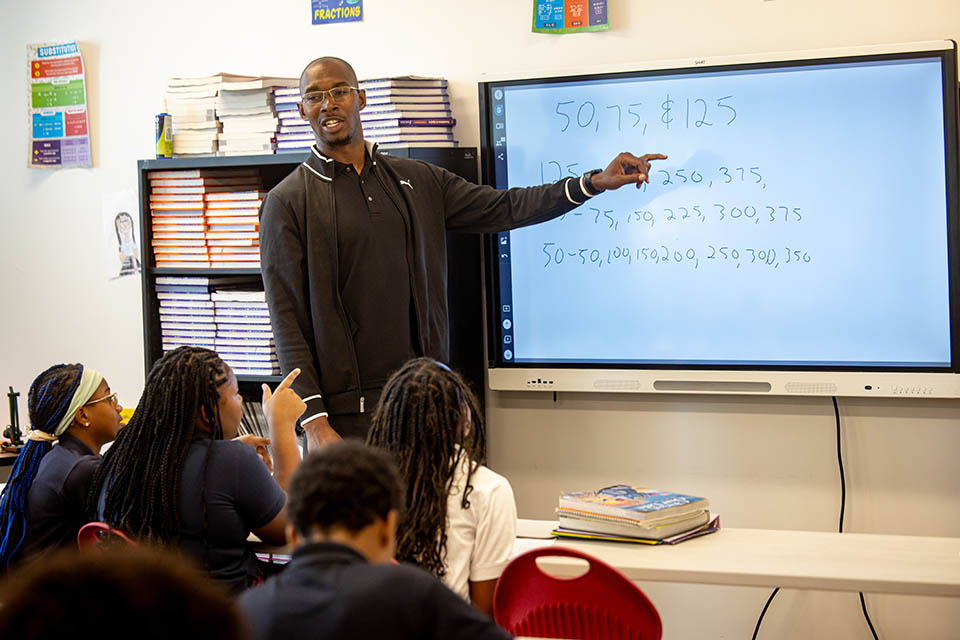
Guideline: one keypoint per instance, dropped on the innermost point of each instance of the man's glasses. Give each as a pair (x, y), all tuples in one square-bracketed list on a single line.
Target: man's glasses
[(337, 94), (112, 398)]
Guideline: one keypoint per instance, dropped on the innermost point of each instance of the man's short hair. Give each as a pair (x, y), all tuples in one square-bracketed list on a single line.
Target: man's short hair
[(351, 74), (346, 484), (137, 593)]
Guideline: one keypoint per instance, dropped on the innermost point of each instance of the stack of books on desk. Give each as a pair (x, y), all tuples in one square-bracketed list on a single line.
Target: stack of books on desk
[(200, 213), (633, 514), (248, 116), (408, 111)]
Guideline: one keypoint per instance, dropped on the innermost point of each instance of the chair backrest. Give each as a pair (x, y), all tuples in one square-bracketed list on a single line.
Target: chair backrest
[(99, 537), (601, 603)]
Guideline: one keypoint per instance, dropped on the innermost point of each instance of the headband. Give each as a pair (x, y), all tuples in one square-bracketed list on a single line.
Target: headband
[(90, 379)]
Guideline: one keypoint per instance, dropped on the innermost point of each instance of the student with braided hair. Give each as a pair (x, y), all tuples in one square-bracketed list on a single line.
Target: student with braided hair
[(175, 478), (43, 505), (460, 518)]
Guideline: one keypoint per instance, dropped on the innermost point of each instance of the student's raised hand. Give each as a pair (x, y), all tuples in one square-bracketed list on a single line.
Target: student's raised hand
[(259, 444), (626, 168), (283, 406)]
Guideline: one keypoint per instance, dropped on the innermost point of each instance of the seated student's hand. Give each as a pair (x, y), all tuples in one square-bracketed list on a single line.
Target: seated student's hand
[(260, 445), (283, 406)]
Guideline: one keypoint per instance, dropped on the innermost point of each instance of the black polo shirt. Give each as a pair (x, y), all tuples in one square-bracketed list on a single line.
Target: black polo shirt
[(331, 591), (374, 273), (56, 500)]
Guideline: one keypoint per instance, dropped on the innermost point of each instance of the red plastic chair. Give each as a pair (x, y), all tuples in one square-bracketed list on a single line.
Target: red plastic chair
[(99, 537), (602, 603)]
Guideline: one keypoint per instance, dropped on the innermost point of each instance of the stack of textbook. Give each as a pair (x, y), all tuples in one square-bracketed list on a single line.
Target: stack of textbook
[(248, 117), (227, 314), (294, 133), (192, 105), (409, 111), (402, 111), (633, 514), (187, 316), (205, 218), (244, 337)]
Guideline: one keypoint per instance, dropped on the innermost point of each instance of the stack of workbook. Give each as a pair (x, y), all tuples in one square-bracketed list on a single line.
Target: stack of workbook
[(294, 133), (197, 214), (187, 312), (403, 111), (247, 115), (233, 224), (633, 514), (407, 111), (192, 104), (244, 337)]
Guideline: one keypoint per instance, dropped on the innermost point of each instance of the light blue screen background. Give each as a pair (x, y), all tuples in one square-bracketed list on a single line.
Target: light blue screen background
[(853, 152)]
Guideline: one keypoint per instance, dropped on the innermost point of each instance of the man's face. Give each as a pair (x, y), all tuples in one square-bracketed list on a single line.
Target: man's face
[(335, 122)]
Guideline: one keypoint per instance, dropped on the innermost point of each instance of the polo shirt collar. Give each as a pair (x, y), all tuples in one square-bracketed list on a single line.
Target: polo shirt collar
[(70, 443), (323, 167), (328, 553)]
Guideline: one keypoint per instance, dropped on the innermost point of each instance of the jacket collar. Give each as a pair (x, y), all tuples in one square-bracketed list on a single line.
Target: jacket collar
[(322, 166)]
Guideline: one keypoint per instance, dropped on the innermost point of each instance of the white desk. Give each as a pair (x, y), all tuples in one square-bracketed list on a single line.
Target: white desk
[(865, 562)]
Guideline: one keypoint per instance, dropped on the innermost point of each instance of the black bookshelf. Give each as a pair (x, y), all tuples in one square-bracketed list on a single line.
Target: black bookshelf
[(464, 291)]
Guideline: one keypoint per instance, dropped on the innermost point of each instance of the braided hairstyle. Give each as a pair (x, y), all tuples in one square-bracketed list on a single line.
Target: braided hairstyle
[(48, 400), (430, 421), (146, 460)]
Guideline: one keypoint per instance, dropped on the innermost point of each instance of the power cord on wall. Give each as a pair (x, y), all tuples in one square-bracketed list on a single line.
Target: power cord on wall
[(843, 503)]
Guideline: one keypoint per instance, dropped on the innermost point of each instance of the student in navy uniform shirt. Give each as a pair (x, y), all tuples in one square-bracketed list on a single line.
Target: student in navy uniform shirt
[(43, 505), (342, 507), (175, 478)]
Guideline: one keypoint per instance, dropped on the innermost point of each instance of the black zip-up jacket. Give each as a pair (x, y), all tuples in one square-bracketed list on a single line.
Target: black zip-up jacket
[(298, 248)]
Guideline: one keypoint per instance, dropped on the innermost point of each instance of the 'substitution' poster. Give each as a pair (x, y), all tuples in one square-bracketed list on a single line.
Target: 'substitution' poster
[(569, 16), (57, 99)]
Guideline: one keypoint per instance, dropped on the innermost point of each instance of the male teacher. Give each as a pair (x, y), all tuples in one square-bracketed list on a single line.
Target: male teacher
[(353, 251)]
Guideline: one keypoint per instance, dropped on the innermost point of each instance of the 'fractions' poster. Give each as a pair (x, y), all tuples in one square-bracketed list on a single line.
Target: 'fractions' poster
[(569, 16), (59, 132), (329, 11)]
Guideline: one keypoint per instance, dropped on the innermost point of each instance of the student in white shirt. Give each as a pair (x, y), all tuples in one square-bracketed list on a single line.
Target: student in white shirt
[(460, 517)]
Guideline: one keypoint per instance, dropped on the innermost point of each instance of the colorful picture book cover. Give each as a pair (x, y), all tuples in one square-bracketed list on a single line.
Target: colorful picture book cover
[(331, 11), (569, 16), (57, 107), (626, 499)]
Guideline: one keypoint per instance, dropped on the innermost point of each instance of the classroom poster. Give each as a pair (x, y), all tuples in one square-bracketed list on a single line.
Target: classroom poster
[(121, 234), (330, 11), (57, 99), (569, 16)]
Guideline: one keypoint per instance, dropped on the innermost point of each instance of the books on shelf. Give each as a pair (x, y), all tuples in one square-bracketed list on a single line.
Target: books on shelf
[(225, 313), (402, 81), (401, 145), (203, 220), (223, 114), (633, 513)]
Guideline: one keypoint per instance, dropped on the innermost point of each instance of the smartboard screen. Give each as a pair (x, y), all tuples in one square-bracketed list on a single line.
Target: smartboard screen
[(805, 217)]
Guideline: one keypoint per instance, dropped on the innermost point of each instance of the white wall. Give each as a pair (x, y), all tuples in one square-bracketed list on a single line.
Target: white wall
[(763, 462)]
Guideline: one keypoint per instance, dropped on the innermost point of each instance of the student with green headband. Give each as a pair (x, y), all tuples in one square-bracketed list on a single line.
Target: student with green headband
[(44, 503)]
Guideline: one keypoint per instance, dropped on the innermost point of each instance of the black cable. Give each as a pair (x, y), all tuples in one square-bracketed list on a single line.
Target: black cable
[(843, 500), (756, 629), (843, 482)]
